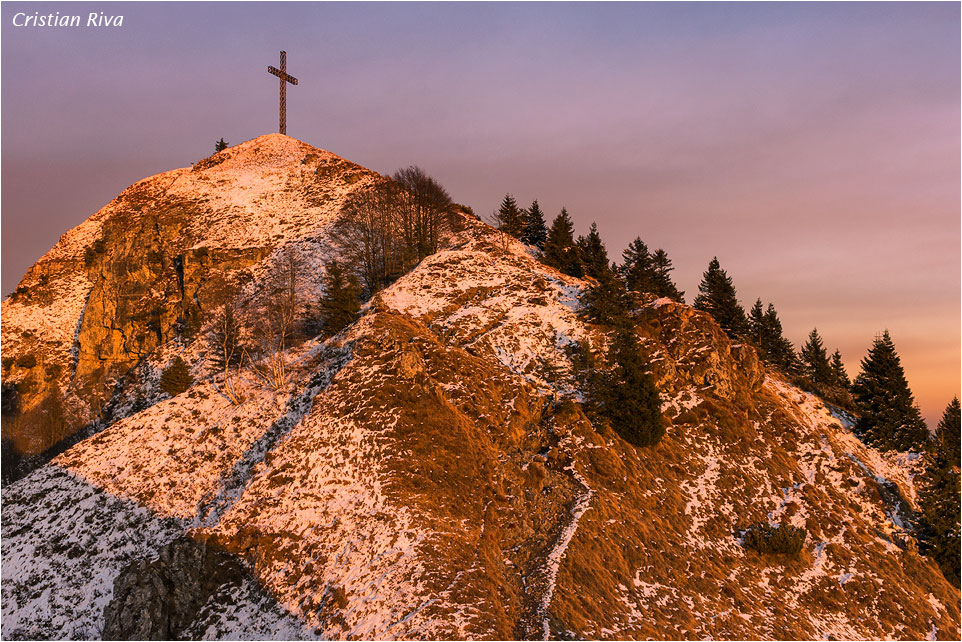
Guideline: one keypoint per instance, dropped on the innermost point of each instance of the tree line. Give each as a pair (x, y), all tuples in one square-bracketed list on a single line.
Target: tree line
[(619, 388), (886, 415)]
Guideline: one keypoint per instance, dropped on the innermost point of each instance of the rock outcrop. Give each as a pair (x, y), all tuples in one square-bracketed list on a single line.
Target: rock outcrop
[(150, 267), (160, 599)]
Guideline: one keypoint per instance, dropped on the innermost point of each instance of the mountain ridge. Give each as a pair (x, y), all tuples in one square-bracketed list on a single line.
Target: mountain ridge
[(429, 472)]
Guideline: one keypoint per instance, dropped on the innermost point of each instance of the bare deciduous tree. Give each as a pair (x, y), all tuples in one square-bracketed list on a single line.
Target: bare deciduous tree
[(369, 234), (272, 320), (227, 352), (427, 207)]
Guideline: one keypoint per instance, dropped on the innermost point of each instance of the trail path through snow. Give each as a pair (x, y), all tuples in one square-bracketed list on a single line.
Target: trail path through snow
[(557, 553)]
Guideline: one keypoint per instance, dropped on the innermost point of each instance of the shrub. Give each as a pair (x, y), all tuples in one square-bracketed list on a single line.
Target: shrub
[(776, 540), (176, 378)]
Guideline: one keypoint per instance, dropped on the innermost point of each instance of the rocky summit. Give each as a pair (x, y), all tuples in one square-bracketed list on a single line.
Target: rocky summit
[(427, 472)]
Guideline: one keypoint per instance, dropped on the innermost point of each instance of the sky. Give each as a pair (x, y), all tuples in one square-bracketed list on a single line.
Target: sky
[(813, 148)]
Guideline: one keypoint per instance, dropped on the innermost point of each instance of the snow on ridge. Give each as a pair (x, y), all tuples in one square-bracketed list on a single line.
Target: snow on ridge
[(506, 304), (893, 467)]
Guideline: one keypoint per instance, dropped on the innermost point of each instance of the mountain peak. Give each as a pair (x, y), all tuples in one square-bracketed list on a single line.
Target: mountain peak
[(429, 458), (267, 150)]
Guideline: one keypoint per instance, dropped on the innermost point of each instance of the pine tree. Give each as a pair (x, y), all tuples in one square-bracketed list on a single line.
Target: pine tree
[(340, 305), (636, 267), (535, 231), (560, 251), (606, 300), (176, 378), (220, 145), (839, 375), (815, 360), (664, 286), (594, 255), (939, 524), (888, 416), (717, 297), (511, 219), (627, 395)]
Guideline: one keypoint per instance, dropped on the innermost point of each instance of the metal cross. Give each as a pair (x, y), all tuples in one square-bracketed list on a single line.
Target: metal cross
[(285, 78)]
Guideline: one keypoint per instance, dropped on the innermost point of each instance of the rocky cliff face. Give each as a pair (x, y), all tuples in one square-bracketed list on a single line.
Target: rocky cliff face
[(149, 267), (429, 472)]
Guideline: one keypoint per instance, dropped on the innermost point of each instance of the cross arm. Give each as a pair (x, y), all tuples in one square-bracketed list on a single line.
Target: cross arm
[(282, 74)]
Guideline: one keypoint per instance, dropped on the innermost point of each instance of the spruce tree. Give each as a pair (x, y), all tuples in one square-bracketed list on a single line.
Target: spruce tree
[(535, 230), (765, 331), (560, 251), (888, 417), (779, 350), (717, 297), (220, 145), (636, 267), (839, 375), (594, 255), (815, 360), (664, 286), (606, 300), (511, 219), (340, 305), (939, 490), (627, 395), (176, 378), (947, 435), (756, 327)]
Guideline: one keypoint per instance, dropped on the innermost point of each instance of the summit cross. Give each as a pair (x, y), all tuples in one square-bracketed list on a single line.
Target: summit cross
[(285, 78)]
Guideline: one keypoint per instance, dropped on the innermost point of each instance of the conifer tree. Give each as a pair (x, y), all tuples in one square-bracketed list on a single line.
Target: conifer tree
[(535, 230), (947, 434), (765, 331), (815, 360), (176, 378), (939, 490), (888, 416), (664, 286), (636, 267), (511, 219), (627, 395), (839, 375), (606, 300), (780, 351), (717, 297), (594, 255), (340, 305), (756, 326), (560, 251), (220, 145)]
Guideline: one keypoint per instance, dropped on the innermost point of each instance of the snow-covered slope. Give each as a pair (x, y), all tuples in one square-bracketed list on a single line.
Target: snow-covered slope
[(428, 473)]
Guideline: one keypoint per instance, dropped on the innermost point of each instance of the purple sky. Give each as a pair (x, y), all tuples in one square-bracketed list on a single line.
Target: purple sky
[(814, 148)]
